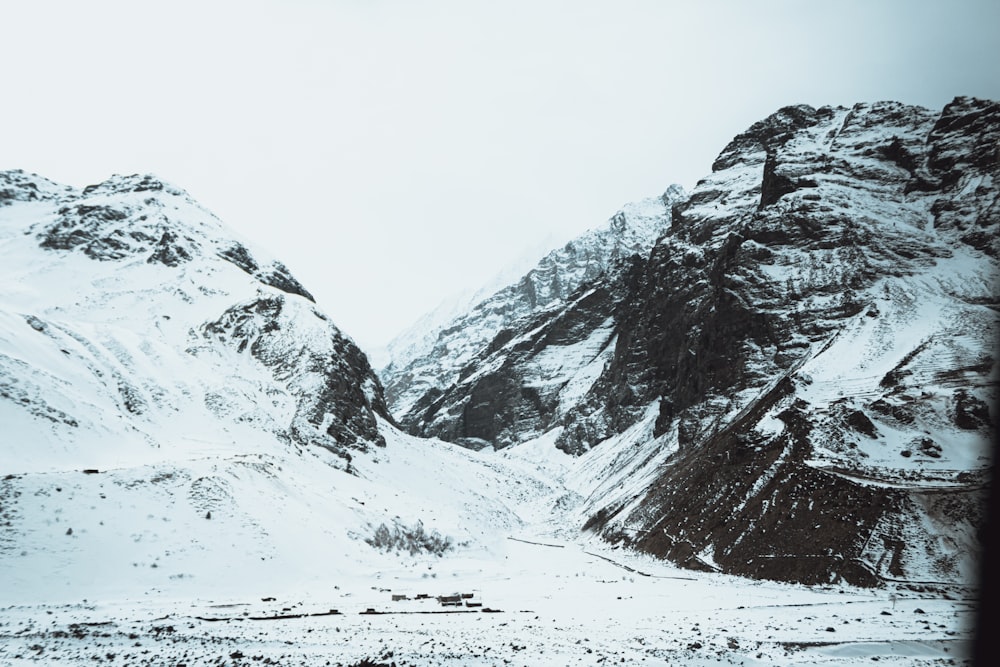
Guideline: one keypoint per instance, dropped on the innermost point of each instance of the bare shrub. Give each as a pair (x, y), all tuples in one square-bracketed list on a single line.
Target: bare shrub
[(414, 540)]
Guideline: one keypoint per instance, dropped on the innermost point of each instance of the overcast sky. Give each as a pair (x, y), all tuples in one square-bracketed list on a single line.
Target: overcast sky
[(394, 152)]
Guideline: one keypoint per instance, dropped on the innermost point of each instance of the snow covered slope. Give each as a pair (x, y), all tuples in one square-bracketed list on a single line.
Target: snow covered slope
[(179, 419), (132, 323), (431, 357)]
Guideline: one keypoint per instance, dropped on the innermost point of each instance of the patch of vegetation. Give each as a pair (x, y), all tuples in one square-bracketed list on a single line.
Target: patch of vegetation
[(415, 540)]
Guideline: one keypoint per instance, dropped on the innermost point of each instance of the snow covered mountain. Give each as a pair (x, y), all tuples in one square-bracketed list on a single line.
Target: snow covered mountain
[(132, 319), (436, 355), (179, 418), (818, 336), (799, 381)]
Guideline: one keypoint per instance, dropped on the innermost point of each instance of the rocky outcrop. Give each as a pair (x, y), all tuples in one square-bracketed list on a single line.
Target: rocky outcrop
[(17, 185), (275, 275), (136, 215), (338, 395), (522, 383)]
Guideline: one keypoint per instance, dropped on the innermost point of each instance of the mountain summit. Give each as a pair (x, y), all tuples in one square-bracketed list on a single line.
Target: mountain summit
[(133, 319), (419, 386)]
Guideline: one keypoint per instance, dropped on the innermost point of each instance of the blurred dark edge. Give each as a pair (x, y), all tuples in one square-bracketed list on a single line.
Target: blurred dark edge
[(985, 649)]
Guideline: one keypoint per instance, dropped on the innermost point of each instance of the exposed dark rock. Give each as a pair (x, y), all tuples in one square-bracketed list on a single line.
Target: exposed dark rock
[(767, 135), (927, 447), (18, 185), (447, 356), (241, 257), (276, 275), (133, 183), (894, 412), (965, 141), (971, 413), (897, 153), (776, 185), (516, 396), (169, 251), (93, 229), (341, 414), (860, 422)]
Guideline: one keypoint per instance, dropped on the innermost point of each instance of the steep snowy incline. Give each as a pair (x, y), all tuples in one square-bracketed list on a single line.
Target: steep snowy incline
[(221, 524), (133, 322), (432, 360)]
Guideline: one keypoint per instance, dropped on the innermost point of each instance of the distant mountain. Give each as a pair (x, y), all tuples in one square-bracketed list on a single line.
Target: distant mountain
[(419, 339), (797, 382), (133, 319), (442, 354)]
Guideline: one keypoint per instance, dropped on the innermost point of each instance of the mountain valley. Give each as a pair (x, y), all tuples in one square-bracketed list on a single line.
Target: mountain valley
[(750, 423)]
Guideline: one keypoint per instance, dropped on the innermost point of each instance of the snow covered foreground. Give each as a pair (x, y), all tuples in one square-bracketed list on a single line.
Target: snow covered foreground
[(124, 566)]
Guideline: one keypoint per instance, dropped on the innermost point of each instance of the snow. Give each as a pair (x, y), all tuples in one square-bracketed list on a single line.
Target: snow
[(143, 558), (919, 325), (574, 368)]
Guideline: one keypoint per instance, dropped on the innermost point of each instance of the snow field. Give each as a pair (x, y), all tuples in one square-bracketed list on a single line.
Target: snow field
[(142, 556)]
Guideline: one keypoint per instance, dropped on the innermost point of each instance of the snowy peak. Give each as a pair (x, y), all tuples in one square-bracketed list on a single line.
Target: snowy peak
[(19, 186), (448, 349), (765, 135), (140, 215), (828, 247), (135, 320), (127, 216)]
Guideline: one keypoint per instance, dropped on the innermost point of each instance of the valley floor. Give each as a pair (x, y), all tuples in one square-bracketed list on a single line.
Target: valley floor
[(239, 558), (555, 605)]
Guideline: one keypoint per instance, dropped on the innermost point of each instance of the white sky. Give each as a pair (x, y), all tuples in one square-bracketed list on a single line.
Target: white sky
[(393, 153)]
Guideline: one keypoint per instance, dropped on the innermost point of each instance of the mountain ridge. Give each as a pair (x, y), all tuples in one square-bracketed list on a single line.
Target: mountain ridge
[(443, 355)]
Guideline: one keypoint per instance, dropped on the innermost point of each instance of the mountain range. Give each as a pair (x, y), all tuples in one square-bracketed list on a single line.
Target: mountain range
[(786, 373)]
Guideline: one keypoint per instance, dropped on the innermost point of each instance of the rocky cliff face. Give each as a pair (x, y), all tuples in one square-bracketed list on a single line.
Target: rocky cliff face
[(802, 351), (803, 215), (816, 357), (133, 319), (477, 380)]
